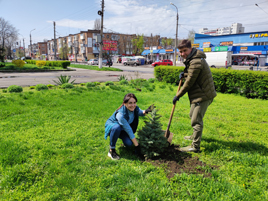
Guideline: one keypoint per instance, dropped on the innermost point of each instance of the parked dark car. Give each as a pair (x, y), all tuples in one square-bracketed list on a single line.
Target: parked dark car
[(165, 62), (107, 62)]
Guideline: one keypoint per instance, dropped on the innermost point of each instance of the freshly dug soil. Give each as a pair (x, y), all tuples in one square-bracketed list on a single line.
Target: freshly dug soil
[(175, 161)]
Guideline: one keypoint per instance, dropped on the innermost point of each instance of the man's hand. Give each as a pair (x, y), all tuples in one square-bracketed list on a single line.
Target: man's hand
[(181, 75), (149, 109), (175, 99)]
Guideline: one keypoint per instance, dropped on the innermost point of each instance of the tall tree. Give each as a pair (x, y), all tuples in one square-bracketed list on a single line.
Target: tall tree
[(137, 44), (97, 24), (164, 43), (191, 35), (8, 33), (64, 51), (170, 42)]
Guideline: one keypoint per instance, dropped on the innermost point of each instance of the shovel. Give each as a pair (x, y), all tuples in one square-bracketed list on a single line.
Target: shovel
[(168, 134)]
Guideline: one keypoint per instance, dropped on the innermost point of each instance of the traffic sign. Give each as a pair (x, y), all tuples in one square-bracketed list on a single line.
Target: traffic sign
[(14, 50)]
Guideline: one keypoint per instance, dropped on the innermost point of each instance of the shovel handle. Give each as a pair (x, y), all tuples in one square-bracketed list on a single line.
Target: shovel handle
[(173, 108)]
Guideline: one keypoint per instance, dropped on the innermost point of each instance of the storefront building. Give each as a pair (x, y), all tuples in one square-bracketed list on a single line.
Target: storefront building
[(157, 53), (244, 46)]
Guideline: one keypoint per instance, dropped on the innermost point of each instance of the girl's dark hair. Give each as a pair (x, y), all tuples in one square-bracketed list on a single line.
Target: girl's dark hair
[(127, 97)]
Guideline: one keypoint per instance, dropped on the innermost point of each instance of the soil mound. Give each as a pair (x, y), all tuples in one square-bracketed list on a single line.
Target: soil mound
[(174, 161)]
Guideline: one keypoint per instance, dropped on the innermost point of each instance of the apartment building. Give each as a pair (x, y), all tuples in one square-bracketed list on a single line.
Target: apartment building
[(235, 28), (42, 48), (85, 45)]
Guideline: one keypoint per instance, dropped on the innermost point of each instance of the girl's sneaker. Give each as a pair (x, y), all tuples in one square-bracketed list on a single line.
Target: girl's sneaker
[(113, 155)]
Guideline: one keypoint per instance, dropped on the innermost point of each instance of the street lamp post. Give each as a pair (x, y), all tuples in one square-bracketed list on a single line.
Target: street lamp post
[(23, 45), (31, 42), (175, 50)]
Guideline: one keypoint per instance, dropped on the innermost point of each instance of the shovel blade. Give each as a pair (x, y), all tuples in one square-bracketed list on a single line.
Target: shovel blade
[(169, 136)]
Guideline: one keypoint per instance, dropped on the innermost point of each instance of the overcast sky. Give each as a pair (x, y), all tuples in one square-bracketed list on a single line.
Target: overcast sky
[(131, 16)]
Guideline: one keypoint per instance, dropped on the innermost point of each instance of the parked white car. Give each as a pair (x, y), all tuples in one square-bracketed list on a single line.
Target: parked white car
[(93, 62)]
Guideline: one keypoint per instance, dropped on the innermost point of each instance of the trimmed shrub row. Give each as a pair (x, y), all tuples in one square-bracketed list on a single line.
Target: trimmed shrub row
[(63, 64), (251, 84)]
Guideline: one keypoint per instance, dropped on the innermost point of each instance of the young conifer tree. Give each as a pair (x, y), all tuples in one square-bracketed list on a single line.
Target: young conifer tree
[(151, 136)]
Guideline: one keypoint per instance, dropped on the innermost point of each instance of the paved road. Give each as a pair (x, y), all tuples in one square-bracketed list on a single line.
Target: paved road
[(83, 75), (80, 76)]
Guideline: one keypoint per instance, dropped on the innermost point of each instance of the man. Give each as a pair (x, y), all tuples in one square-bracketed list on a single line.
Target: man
[(200, 87)]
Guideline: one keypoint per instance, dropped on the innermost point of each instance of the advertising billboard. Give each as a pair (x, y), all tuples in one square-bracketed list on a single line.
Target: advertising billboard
[(206, 44), (109, 45), (226, 43)]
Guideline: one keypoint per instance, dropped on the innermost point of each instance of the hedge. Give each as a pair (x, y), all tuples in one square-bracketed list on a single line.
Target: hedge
[(63, 64), (251, 84), (18, 63)]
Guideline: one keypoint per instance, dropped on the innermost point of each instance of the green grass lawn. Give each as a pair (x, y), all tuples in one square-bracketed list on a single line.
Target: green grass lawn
[(52, 147), (95, 67), (29, 67)]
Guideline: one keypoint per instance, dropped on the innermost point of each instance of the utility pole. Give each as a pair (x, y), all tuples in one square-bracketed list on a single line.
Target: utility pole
[(23, 47), (175, 49), (176, 40), (55, 42), (76, 47), (101, 32), (31, 42)]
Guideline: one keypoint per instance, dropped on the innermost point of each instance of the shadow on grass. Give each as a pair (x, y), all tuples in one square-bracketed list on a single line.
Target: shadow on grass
[(129, 153), (235, 146)]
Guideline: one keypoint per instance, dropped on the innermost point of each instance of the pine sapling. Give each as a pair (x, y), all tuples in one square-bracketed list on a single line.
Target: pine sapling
[(151, 136)]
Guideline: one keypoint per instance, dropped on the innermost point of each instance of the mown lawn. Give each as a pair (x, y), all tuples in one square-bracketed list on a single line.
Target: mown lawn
[(52, 147), (94, 67)]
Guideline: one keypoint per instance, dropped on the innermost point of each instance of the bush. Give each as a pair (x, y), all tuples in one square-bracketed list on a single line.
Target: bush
[(97, 83), (168, 74), (50, 85), (14, 88), (251, 84), (82, 84), (40, 87), (40, 63), (67, 86), (4, 90), (108, 83), (151, 80), (30, 61), (117, 88), (18, 63), (32, 87), (123, 82), (90, 84)]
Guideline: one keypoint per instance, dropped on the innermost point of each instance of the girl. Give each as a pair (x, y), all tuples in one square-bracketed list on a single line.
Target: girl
[(123, 124)]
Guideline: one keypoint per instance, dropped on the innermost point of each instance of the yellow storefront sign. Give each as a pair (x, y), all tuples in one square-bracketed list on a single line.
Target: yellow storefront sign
[(258, 35), (207, 49), (195, 45)]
